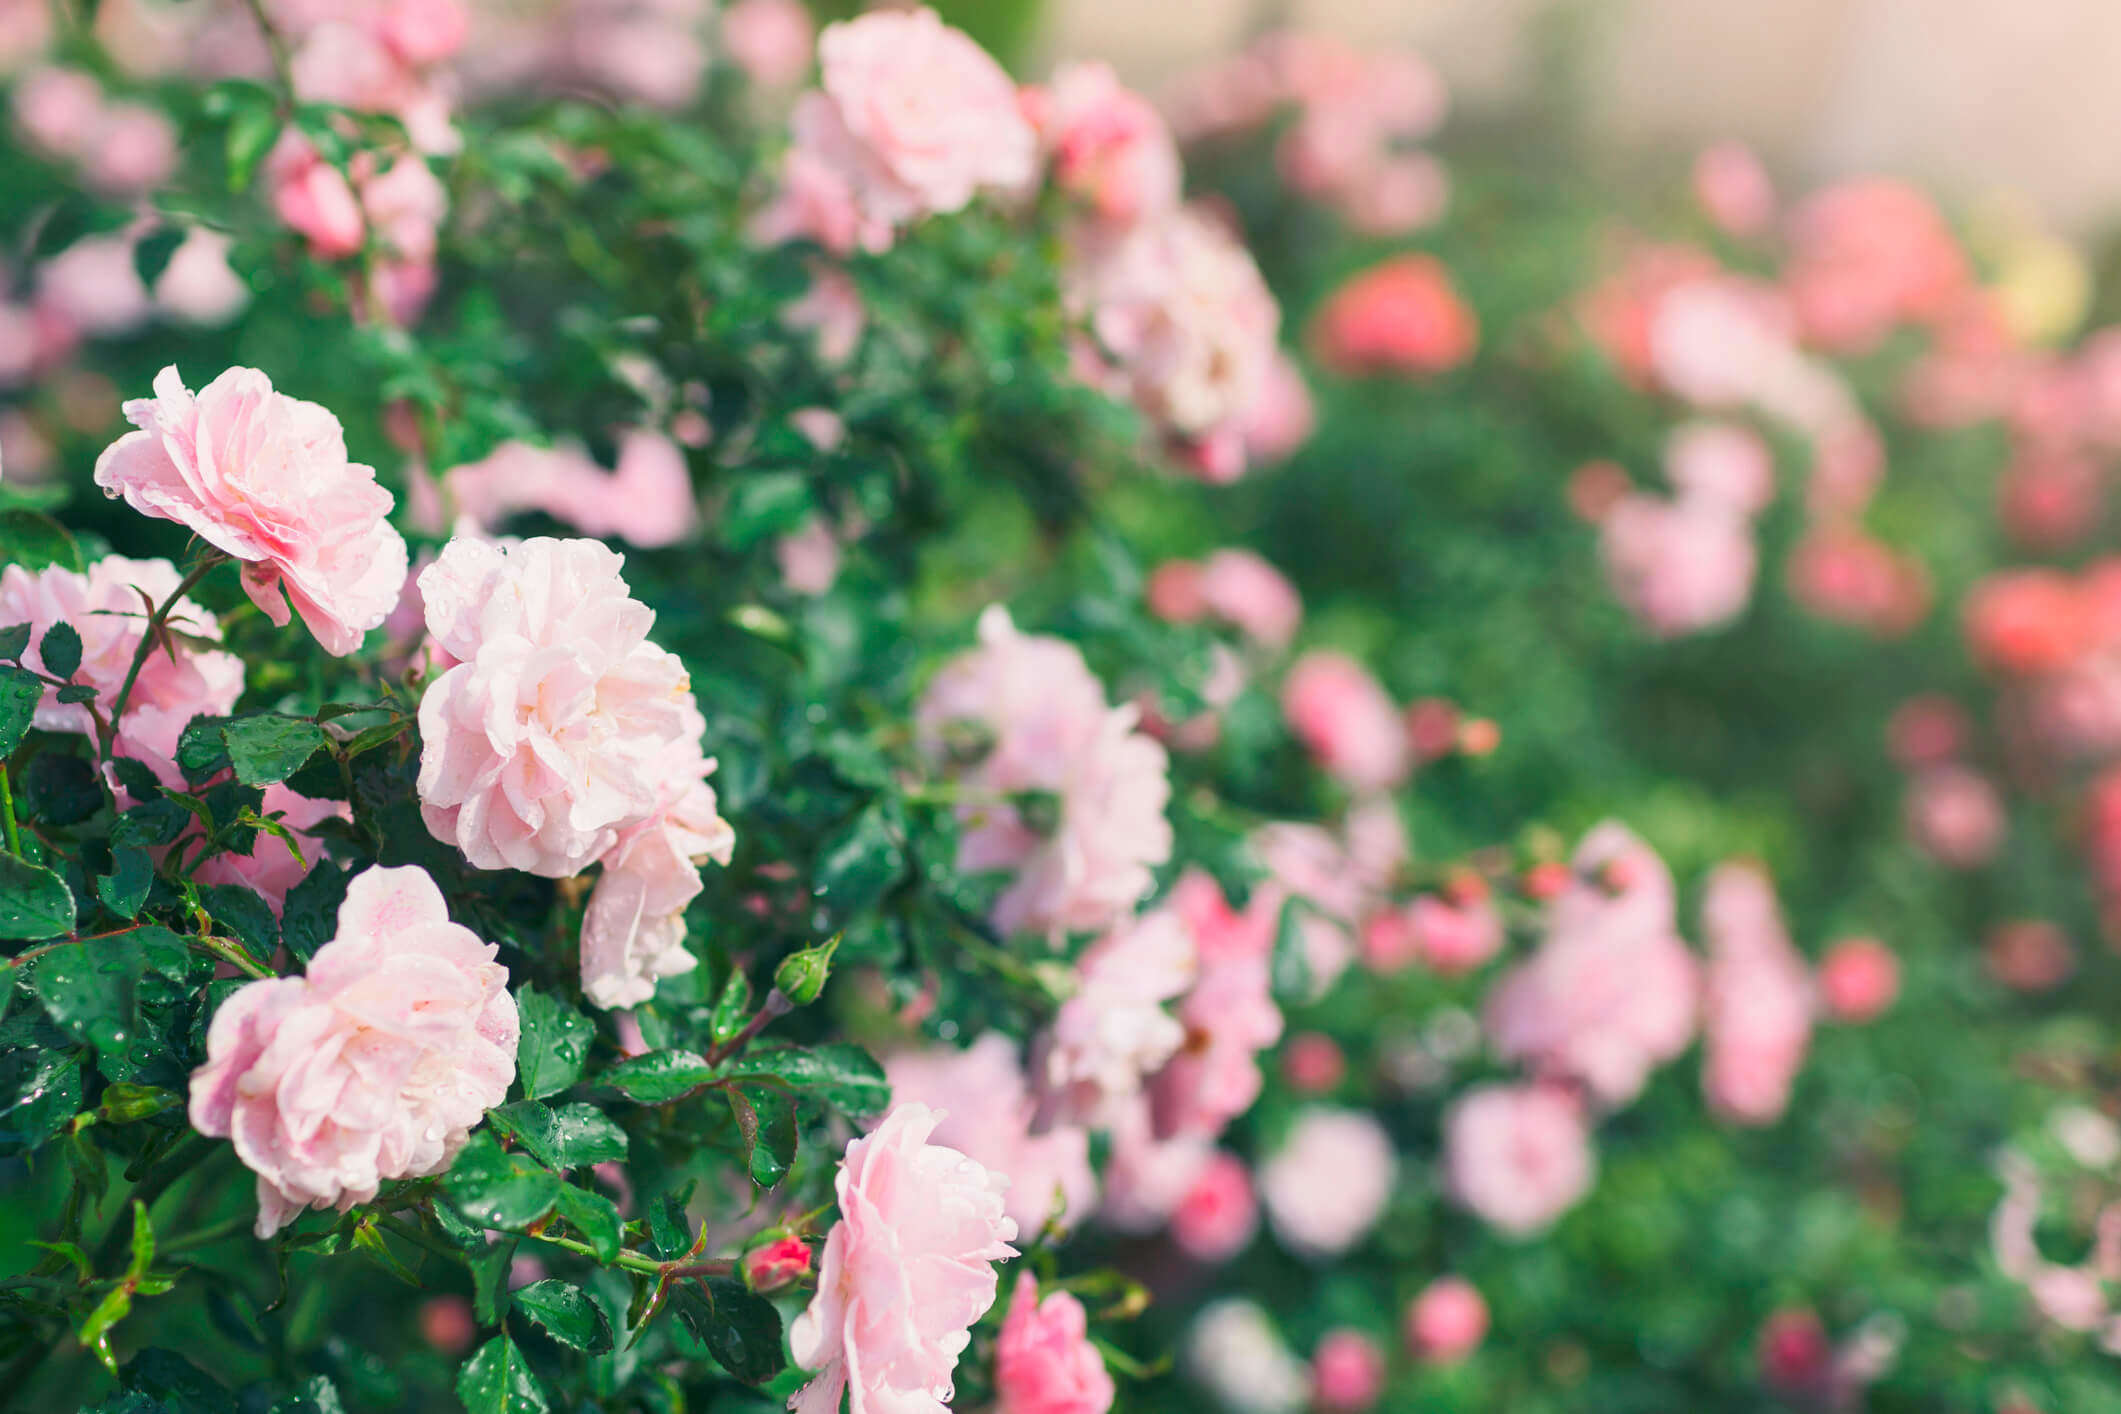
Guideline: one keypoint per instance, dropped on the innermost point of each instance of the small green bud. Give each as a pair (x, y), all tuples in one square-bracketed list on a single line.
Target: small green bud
[(801, 975)]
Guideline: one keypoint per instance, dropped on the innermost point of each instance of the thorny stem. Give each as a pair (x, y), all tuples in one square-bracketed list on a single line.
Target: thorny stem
[(155, 623), (775, 1005), (676, 1270)]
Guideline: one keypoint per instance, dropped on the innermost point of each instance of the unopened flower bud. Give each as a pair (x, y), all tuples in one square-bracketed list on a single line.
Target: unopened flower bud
[(775, 1264), (801, 975)]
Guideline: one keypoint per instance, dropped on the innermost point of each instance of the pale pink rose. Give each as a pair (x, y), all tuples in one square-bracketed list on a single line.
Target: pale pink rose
[(314, 198), (1282, 416), (108, 606), (270, 866), (770, 40), (905, 1273), (1398, 195), (1328, 1184), (1612, 992), (1517, 1156), (1229, 1015), (198, 286), (1858, 979), (1241, 588), (833, 308), (58, 111), (1347, 1372), (1044, 1361), (404, 204), (1867, 255), (1453, 937), (423, 32), (1756, 998), (1146, 1178), (374, 1065), (25, 33), (92, 287), (1734, 189), (1023, 714), (264, 477), (1679, 567), (1447, 1321), (1186, 327), (809, 559), (1722, 464), (1234, 1352), (133, 149), (1115, 1031), (989, 1118), (818, 198), (1718, 341), (633, 932), (1219, 1213), (1955, 816), (1341, 714), (647, 499), (1108, 145), (554, 733)]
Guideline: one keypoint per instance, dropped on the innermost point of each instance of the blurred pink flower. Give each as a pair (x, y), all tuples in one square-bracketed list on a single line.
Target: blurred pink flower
[(1108, 145), (1229, 1014), (1342, 715), (1955, 816), (1757, 998), (1347, 1372), (264, 477), (1447, 1321), (809, 559), (770, 40), (314, 198), (198, 286), (1044, 1361), (1679, 567), (1720, 463), (1518, 1156), (1282, 416), (374, 1065), (1455, 937), (1858, 979), (1328, 1184), (1734, 189), (1219, 1213), (1866, 255), (1403, 316), (647, 499), (906, 1272), (57, 111), (133, 149), (833, 308), (1114, 1031)]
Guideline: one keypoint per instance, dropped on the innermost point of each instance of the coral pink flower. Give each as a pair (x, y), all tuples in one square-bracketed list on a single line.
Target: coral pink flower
[(773, 1265), (1612, 993), (555, 732), (374, 1065), (1955, 816), (1447, 1321), (1343, 716), (1219, 1213), (1455, 937), (1241, 588), (2025, 621), (270, 866), (1518, 1156), (1022, 715), (1329, 1182), (1757, 1003), (1108, 145), (1115, 1031), (1867, 255), (1044, 1362), (1403, 316), (108, 607), (1858, 979), (1347, 1372), (1844, 575), (1733, 189), (770, 40), (905, 1273), (264, 478), (1679, 567), (989, 1118)]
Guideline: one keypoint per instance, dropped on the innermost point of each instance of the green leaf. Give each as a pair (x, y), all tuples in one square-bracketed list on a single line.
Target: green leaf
[(1289, 970), (369, 1242), (34, 903), (841, 1074), (14, 642), (61, 650), (495, 1188), (310, 917), (251, 134), (94, 1331), (567, 1314), (40, 1089), (126, 1103), (731, 1009), (35, 541), (143, 1243), (857, 866), (570, 1136), (765, 1115), (125, 888), (739, 1327), (20, 692), (497, 1380), (660, 1076), (762, 504), (151, 255), (201, 751), (595, 1217), (669, 1225), (265, 749), (91, 990), (244, 913), (552, 1045)]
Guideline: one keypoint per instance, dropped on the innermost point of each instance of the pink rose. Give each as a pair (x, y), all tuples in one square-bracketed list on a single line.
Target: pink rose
[(905, 1273), (1447, 1321), (1757, 1003), (1955, 816), (1218, 1215), (989, 1118), (270, 866), (264, 478), (1022, 714), (314, 198), (1229, 1015), (197, 286), (1235, 1353), (58, 111), (1403, 316), (1108, 145), (555, 733), (1867, 255), (1679, 567), (92, 287), (374, 1065), (1456, 938), (134, 149), (1517, 1156), (1115, 1030), (1241, 588), (1347, 1372), (1733, 189), (1858, 979), (106, 607), (770, 40), (1724, 464), (1329, 1182), (809, 559), (1282, 417), (1338, 711), (1044, 1361), (1146, 1178), (423, 32)]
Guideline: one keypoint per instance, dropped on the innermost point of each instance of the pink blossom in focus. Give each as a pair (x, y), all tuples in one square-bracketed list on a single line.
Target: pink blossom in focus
[(1447, 1321), (374, 1065), (1338, 711), (906, 1271), (1757, 998), (1517, 1156), (1733, 189), (1403, 316), (1955, 816), (770, 40), (1858, 979), (989, 1118), (1329, 1182), (108, 606), (1108, 145), (1347, 1372), (264, 477), (1044, 1361), (1219, 1213)]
